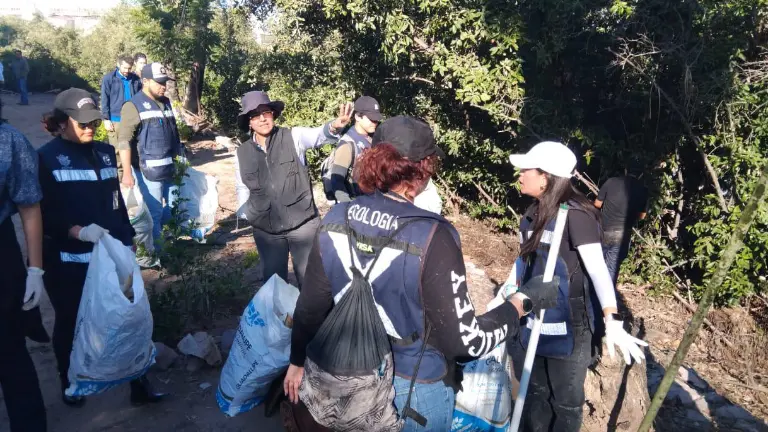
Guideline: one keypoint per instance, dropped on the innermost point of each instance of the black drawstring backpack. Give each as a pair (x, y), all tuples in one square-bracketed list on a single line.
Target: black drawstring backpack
[(349, 371)]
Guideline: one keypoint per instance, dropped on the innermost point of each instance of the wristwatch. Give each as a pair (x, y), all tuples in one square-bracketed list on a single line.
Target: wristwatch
[(527, 305), (614, 317)]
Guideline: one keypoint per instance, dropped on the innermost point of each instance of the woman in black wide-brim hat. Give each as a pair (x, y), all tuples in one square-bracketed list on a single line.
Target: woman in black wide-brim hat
[(272, 162)]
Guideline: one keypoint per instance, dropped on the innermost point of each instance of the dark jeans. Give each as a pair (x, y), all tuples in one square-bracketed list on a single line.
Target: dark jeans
[(615, 251), (434, 401), (18, 377), (273, 249), (64, 283), (555, 398), (24, 96)]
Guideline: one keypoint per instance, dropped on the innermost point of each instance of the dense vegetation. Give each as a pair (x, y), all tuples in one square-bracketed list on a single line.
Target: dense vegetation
[(677, 88)]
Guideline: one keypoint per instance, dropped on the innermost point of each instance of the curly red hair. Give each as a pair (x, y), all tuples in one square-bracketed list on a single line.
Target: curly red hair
[(383, 168)]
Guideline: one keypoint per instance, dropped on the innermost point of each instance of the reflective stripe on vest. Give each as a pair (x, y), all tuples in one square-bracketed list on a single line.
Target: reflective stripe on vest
[(551, 329), (68, 175), (156, 114), (152, 163), (83, 258), (107, 173)]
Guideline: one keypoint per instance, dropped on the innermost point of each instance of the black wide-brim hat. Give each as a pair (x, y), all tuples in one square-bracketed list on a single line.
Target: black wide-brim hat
[(254, 100)]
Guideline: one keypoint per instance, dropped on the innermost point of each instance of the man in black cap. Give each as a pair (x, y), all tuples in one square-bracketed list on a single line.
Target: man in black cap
[(148, 141), (81, 202), (280, 207), (338, 183)]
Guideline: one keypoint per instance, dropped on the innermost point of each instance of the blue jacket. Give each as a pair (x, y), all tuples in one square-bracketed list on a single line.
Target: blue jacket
[(396, 279), (114, 89), (80, 187)]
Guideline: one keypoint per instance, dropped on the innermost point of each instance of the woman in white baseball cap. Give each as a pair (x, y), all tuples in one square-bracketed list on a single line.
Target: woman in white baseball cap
[(570, 332)]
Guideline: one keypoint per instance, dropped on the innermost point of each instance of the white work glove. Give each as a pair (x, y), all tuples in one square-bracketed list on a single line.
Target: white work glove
[(92, 233), (616, 335), (34, 288)]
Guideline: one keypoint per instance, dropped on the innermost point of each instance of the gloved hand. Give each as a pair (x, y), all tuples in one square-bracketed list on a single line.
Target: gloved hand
[(34, 288), (616, 335), (92, 233), (543, 295)]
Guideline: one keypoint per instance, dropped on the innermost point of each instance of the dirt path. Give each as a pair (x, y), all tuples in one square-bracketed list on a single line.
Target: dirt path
[(188, 409)]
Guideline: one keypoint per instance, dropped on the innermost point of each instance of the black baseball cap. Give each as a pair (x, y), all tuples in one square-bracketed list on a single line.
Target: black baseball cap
[(78, 104), (369, 107), (412, 137), (156, 72)]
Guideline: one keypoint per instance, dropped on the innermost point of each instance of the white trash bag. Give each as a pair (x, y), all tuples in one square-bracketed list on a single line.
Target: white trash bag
[(113, 336), (201, 201), (429, 199), (139, 216), (242, 191), (485, 402), (261, 349)]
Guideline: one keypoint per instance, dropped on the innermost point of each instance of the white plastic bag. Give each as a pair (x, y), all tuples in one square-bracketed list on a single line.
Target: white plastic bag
[(261, 349), (429, 199), (243, 193), (139, 216), (485, 401), (113, 336), (201, 200)]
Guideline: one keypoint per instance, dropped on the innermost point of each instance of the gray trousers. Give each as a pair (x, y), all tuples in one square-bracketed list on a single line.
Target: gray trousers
[(274, 248)]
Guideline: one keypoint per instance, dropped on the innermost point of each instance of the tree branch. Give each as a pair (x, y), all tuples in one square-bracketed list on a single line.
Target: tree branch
[(689, 130), (593, 187)]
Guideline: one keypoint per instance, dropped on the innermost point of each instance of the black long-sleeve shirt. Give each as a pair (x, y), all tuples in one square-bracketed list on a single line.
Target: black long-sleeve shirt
[(458, 333)]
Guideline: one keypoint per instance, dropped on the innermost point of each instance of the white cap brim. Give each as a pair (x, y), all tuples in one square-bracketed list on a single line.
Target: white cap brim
[(522, 161), (525, 161)]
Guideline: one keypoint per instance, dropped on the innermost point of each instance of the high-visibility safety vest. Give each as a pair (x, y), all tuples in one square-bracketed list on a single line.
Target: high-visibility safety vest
[(574, 303), (158, 138), (85, 191), (396, 277)]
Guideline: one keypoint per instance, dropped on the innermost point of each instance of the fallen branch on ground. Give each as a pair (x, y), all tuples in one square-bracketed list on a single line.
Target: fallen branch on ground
[(709, 324)]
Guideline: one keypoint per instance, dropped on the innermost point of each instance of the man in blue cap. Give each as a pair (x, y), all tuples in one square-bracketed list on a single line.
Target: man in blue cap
[(272, 162)]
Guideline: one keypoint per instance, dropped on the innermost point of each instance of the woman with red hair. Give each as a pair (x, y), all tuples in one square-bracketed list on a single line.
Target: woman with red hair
[(418, 282)]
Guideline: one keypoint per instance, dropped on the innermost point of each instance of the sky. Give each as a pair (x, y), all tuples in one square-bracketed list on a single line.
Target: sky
[(88, 4)]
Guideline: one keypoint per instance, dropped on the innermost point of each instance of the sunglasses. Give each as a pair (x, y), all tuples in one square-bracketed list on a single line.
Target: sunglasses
[(93, 124), (264, 114)]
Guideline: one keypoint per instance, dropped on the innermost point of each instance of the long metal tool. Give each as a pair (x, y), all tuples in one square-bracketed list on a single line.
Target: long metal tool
[(530, 353)]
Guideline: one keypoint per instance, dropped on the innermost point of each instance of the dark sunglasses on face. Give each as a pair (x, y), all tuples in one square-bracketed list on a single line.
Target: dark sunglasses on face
[(93, 125), (265, 114)]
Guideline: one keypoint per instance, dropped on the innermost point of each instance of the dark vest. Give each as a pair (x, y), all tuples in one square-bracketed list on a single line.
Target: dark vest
[(158, 139), (574, 306), (396, 279), (87, 191), (281, 192)]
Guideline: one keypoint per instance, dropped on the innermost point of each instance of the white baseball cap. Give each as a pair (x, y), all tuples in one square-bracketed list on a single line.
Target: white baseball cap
[(548, 156)]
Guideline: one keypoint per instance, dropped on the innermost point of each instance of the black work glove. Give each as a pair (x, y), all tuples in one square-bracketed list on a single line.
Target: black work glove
[(543, 295)]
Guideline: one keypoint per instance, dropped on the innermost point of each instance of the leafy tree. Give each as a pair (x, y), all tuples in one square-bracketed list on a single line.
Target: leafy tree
[(177, 33), (678, 88)]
